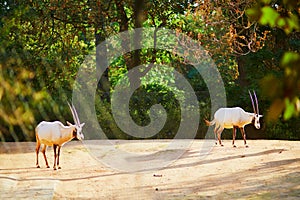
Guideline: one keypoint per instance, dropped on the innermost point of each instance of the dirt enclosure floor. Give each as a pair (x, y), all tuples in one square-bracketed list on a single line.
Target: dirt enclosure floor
[(265, 170)]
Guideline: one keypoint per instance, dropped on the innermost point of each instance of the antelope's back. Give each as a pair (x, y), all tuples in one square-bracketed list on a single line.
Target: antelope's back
[(228, 117), (47, 132)]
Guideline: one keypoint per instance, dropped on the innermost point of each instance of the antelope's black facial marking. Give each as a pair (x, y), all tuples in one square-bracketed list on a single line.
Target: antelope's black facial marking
[(253, 120), (75, 133)]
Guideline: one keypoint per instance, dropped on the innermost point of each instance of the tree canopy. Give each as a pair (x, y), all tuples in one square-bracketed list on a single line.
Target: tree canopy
[(254, 44)]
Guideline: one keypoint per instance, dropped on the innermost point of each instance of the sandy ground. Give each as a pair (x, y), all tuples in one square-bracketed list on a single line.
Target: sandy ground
[(265, 170)]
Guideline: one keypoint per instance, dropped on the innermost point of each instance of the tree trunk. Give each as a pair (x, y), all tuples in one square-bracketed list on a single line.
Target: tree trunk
[(242, 78), (101, 54), (139, 17)]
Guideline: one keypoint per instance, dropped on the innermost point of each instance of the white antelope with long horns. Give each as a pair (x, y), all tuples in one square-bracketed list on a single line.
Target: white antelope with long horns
[(235, 118), (56, 134)]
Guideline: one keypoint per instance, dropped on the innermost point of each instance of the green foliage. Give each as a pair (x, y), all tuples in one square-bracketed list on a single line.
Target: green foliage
[(282, 15), (43, 43), (283, 90), (281, 129), (38, 62), (152, 94)]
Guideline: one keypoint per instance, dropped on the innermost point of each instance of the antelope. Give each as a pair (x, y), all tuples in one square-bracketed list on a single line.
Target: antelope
[(56, 134), (233, 118)]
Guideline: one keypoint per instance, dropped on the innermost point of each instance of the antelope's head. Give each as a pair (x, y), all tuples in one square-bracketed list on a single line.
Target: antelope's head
[(256, 110), (78, 126)]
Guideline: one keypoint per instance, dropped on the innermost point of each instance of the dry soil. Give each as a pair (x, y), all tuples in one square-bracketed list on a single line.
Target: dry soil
[(265, 170)]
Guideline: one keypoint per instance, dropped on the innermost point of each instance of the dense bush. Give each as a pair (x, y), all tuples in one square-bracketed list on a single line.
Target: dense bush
[(39, 60)]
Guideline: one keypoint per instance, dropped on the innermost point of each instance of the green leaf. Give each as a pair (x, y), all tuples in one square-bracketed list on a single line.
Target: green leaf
[(293, 23), (266, 1), (281, 22), (269, 16), (289, 109), (289, 57)]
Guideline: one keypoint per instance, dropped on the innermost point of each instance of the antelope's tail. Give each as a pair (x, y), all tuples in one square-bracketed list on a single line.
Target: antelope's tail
[(208, 123), (36, 134)]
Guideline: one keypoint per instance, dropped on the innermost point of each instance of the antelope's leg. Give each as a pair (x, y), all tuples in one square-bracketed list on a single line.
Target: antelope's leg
[(244, 136), (37, 149), (58, 153), (55, 156), (215, 132), (219, 135), (233, 136), (44, 153)]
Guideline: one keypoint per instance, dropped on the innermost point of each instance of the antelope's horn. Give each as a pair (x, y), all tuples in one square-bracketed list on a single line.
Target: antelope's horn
[(76, 115), (256, 101), (252, 102), (73, 113)]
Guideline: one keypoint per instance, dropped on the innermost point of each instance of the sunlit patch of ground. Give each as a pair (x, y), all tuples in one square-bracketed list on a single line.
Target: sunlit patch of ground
[(265, 170)]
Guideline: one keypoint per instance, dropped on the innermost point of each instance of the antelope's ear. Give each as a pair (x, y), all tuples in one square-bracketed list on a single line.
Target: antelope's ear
[(69, 124), (260, 115), (81, 125)]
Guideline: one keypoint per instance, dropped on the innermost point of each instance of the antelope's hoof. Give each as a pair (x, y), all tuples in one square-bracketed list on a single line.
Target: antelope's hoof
[(54, 168), (38, 166), (222, 145), (59, 167), (48, 167), (246, 146), (234, 146)]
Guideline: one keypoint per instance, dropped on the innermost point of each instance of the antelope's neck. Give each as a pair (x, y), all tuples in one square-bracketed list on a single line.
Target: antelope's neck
[(67, 134), (249, 119)]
